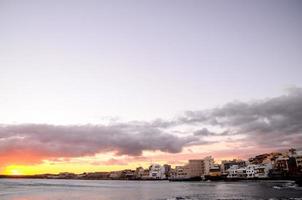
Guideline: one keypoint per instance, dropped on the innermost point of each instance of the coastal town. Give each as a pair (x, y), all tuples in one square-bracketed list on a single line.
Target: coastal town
[(275, 165)]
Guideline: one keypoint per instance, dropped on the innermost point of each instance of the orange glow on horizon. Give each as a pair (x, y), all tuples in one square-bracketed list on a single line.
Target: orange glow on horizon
[(63, 167), (104, 162)]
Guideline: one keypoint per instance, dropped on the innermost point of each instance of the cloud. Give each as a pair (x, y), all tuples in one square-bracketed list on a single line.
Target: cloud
[(206, 132), (42, 141), (267, 124), (270, 122), (203, 132)]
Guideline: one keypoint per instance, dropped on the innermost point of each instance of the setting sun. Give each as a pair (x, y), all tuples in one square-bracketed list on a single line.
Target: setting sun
[(13, 170)]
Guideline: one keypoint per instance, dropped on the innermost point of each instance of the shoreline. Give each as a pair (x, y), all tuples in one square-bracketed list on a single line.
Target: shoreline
[(296, 181), (170, 180)]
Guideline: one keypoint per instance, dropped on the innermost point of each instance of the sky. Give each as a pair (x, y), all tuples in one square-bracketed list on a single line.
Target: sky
[(107, 85)]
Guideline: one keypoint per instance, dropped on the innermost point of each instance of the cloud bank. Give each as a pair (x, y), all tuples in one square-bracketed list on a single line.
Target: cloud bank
[(49, 141), (269, 123)]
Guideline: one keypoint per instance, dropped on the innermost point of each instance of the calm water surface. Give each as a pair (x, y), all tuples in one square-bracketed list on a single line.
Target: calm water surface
[(29, 189)]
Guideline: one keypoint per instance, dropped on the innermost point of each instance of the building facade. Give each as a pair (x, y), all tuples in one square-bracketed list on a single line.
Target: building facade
[(196, 168), (157, 171)]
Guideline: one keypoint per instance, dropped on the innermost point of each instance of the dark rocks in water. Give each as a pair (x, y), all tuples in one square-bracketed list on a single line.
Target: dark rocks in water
[(179, 198), (299, 182), (215, 178)]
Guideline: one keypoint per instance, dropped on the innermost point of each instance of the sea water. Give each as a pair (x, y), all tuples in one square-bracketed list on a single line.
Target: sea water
[(43, 189)]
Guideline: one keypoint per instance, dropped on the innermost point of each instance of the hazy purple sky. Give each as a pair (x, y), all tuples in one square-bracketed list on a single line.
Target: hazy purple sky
[(92, 85), (70, 62)]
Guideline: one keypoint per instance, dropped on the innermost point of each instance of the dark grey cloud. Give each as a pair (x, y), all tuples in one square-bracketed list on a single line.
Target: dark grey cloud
[(282, 113), (73, 141), (203, 132), (270, 122), (206, 132)]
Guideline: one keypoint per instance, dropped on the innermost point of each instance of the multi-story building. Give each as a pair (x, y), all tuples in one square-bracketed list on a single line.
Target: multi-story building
[(263, 170), (200, 167), (208, 164), (237, 172), (167, 170), (227, 164), (157, 171), (251, 171), (181, 172), (297, 158), (299, 162), (281, 163), (196, 168), (232, 171)]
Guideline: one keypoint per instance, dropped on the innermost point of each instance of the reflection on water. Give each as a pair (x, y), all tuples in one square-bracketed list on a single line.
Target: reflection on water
[(30, 189)]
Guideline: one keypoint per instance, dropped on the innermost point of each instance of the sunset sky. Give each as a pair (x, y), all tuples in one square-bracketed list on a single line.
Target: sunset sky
[(90, 85)]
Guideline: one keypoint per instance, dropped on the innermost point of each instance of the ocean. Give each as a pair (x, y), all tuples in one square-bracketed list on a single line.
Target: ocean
[(45, 189)]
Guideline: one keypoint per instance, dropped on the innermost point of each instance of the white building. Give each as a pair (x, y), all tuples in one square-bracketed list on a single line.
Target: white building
[(208, 164), (250, 171), (181, 172), (232, 171), (235, 172), (298, 157), (157, 171), (262, 170)]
